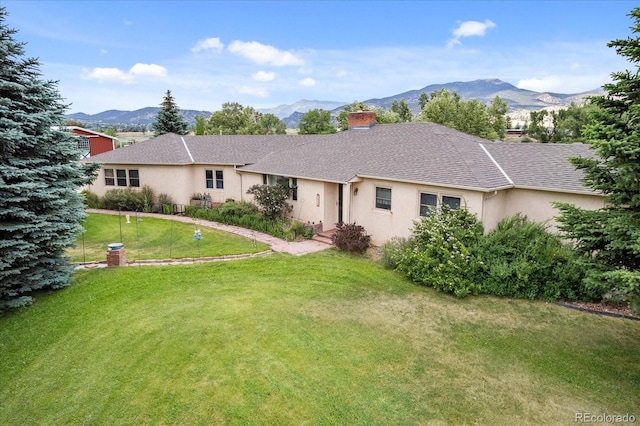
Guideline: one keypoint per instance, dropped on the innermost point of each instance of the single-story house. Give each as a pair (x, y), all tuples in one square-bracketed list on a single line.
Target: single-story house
[(383, 177)]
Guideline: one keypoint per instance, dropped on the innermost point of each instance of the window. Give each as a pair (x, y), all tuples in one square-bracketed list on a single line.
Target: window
[(219, 180), (218, 183), (294, 189), (121, 176), (209, 178), (287, 182), (383, 198), (428, 202), (451, 202), (134, 178), (109, 180), (83, 146)]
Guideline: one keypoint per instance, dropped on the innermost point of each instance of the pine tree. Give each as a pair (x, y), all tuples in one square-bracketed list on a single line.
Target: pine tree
[(609, 238), (40, 207), (169, 119)]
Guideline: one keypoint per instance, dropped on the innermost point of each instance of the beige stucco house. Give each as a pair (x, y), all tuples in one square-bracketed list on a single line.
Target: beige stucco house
[(383, 177)]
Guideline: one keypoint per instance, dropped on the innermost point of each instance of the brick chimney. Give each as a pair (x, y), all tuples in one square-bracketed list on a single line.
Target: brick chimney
[(361, 119)]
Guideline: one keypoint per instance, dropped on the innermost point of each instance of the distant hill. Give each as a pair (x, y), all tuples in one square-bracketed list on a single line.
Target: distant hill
[(484, 90)]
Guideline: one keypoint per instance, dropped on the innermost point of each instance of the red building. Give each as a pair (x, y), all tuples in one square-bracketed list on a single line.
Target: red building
[(91, 142)]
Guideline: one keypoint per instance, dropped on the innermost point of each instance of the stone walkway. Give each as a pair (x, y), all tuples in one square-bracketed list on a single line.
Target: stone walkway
[(296, 248)]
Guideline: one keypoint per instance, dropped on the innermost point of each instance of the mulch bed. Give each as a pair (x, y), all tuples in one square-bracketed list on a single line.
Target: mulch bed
[(608, 309)]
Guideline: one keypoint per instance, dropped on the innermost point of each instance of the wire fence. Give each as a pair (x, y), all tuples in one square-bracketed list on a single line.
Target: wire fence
[(145, 238)]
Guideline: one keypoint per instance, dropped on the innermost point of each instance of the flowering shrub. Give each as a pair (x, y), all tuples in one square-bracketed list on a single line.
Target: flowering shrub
[(272, 200), (443, 252)]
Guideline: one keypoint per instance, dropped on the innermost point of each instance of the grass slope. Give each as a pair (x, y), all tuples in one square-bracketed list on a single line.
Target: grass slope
[(155, 238), (318, 339)]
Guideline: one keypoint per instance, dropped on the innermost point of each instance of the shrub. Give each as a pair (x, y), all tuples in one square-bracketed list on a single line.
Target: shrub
[(299, 230), (148, 197), (351, 238), (443, 252), (392, 250), (616, 285), (91, 200), (243, 214), (272, 200), (123, 199), (165, 204), (523, 260)]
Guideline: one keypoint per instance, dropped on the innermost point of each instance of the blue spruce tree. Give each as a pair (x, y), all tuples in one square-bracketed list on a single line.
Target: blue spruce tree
[(40, 207)]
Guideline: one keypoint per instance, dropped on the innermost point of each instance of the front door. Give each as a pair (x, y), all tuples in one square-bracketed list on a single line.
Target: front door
[(340, 202)]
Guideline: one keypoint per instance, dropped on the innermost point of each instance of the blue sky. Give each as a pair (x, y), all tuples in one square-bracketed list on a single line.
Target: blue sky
[(126, 54)]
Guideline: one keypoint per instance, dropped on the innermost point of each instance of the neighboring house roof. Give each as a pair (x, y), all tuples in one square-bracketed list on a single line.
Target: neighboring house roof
[(425, 153), (83, 130), (172, 149)]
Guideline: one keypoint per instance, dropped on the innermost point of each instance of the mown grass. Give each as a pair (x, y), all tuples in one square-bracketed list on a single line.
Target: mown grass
[(318, 339), (147, 238)]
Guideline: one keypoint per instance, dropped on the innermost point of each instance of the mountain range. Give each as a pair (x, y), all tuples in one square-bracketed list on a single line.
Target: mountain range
[(484, 90)]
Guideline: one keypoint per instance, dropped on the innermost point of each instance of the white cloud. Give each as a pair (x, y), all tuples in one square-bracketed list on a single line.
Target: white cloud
[(108, 74), (307, 82), (341, 73), (264, 76), (547, 84), (103, 51), (258, 92), (210, 44), (150, 70), (263, 54), (563, 83), (470, 29), (119, 76)]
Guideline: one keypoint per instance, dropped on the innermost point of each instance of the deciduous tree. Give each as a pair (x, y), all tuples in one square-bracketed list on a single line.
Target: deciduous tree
[(236, 119), (316, 122), (40, 207), (470, 116)]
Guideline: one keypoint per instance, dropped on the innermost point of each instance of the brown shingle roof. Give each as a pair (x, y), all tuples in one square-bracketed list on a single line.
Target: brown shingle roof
[(544, 166), (425, 153)]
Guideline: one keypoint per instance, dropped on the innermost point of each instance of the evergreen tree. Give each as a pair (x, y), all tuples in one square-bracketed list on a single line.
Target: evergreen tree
[(609, 238), (169, 119), (40, 208)]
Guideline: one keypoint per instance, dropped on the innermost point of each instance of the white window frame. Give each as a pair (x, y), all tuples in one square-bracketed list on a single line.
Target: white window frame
[(377, 205)]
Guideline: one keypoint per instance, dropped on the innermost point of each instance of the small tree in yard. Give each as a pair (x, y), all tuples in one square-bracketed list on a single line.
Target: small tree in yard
[(40, 207), (272, 200), (609, 238)]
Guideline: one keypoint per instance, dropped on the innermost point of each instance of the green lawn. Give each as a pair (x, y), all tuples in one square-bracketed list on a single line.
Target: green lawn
[(319, 339), (155, 238)]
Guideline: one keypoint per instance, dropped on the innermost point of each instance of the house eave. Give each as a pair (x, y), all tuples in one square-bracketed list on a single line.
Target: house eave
[(558, 190), (425, 183), (262, 172)]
